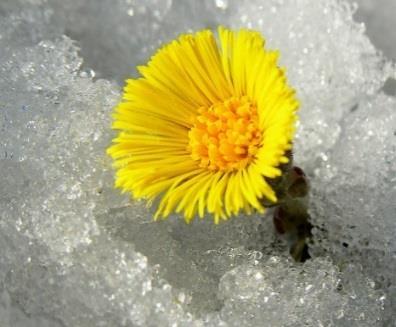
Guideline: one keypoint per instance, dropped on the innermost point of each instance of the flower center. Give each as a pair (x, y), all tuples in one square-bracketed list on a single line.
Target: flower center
[(226, 136)]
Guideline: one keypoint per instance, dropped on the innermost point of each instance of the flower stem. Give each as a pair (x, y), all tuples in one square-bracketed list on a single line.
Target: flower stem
[(291, 217)]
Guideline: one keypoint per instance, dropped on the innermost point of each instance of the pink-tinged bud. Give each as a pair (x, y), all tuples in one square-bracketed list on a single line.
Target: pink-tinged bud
[(298, 187)]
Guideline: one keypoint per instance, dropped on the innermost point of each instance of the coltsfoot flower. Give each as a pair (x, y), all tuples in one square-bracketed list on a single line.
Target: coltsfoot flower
[(206, 126)]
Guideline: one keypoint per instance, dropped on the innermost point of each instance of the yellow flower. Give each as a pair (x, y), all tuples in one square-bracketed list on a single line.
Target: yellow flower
[(205, 126)]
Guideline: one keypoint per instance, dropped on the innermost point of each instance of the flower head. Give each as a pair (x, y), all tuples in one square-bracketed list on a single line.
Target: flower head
[(205, 126)]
